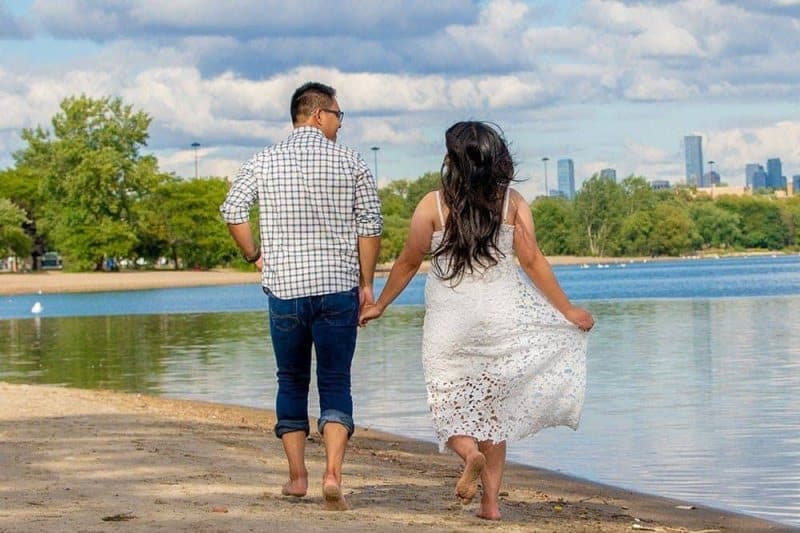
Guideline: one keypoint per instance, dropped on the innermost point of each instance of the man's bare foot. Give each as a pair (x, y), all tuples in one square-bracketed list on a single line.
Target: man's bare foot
[(332, 494), (295, 487), (467, 485)]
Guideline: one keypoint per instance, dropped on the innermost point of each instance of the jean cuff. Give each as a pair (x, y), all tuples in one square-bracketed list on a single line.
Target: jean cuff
[(287, 426), (332, 415)]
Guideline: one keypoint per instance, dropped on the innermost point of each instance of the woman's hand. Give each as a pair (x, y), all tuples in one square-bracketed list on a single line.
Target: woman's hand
[(580, 317), (369, 312)]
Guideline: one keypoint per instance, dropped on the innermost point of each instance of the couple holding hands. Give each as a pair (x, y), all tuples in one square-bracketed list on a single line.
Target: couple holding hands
[(503, 357)]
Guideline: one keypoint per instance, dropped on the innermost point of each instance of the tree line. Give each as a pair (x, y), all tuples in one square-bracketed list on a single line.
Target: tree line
[(84, 188), (630, 218)]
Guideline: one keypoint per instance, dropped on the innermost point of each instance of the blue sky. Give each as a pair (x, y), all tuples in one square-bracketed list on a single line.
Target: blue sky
[(606, 83)]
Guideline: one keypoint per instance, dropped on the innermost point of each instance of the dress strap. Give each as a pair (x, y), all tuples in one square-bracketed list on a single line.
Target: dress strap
[(505, 203), (439, 208)]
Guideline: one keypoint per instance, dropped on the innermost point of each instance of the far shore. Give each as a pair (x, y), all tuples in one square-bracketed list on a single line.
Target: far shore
[(54, 281), (80, 460)]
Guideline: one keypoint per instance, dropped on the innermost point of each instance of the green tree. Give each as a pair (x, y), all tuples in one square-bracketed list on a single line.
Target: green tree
[(430, 181), (21, 186), (92, 173), (639, 196), (790, 211), (673, 232), (393, 199), (599, 208), (636, 234), (553, 219), (13, 239), (762, 225), (180, 219), (717, 227), (395, 233)]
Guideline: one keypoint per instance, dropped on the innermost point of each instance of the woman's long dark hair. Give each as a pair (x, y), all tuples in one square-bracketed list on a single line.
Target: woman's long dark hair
[(475, 176)]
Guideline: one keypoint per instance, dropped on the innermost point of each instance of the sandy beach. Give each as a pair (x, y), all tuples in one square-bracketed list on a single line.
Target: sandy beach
[(80, 460), (57, 282)]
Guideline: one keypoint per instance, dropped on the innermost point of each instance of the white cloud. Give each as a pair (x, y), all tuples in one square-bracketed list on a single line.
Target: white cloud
[(98, 19), (735, 147), (654, 89)]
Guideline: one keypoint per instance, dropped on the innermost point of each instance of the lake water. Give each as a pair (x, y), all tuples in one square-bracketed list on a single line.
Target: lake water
[(693, 387)]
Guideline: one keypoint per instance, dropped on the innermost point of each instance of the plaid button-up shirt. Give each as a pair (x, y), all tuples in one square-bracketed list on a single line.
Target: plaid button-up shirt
[(315, 199)]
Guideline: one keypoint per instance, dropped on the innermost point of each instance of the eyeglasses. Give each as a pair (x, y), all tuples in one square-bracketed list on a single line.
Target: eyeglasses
[(339, 114)]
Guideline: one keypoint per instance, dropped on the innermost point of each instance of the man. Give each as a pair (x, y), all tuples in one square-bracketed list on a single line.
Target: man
[(320, 225)]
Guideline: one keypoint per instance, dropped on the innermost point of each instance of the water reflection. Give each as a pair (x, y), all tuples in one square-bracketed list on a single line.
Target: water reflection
[(696, 399)]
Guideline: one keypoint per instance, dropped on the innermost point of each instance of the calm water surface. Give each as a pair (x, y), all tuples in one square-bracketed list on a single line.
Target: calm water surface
[(695, 397)]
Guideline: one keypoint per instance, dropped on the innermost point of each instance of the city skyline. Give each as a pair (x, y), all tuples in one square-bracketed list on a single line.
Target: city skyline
[(405, 71)]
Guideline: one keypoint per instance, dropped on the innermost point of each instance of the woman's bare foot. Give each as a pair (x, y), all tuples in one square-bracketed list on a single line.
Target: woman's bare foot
[(295, 487), (489, 510), (333, 496), (467, 485)]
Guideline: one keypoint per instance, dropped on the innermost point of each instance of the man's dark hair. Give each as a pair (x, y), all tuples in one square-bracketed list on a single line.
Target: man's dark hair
[(311, 96)]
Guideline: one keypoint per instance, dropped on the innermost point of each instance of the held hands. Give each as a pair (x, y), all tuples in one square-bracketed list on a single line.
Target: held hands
[(369, 312), (580, 317)]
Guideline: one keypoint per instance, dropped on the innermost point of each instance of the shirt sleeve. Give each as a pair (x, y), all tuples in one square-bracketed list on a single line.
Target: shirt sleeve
[(241, 196), (369, 221)]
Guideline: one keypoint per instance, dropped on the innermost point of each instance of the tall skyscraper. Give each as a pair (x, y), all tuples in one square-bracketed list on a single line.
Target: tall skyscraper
[(693, 152), (775, 174), (609, 173), (755, 177), (796, 183), (566, 178)]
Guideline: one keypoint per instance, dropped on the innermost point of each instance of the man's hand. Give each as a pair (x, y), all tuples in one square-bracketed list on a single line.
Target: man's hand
[(260, 264), (365, 296)]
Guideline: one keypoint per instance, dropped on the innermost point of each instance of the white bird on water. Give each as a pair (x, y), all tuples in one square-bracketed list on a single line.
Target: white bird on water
[(37, 308)]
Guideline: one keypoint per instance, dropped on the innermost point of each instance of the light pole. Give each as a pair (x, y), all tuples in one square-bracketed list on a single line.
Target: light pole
[(195, 145), (711, 172), (375, 151), (546, 188)]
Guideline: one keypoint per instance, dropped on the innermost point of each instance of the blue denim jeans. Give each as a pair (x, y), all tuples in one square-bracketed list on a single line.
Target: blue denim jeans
[(328, 322)]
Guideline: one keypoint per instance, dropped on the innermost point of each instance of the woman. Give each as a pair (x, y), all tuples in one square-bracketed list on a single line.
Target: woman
[(502, 360)]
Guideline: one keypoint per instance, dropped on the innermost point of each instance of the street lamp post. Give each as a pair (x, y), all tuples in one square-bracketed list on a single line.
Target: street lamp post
[(375, 152), (711, 172), (195, 145), (546, 188)]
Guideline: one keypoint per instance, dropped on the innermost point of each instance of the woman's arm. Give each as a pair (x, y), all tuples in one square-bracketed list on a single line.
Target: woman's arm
[(407, 264), (536, 266)]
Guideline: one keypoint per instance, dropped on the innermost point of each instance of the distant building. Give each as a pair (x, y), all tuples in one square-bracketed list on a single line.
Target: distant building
[(711, 179), (556, 193), (659, 184), (796, 183), (693, 152), (755, 177), (775, 174), (566, 178), (716, 192), (609, 173)]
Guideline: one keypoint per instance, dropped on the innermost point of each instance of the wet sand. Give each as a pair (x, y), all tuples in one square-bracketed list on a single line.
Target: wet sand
[(79, 460)]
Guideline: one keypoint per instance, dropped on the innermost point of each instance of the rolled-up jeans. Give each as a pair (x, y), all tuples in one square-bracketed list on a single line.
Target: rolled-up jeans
[(328, 322)]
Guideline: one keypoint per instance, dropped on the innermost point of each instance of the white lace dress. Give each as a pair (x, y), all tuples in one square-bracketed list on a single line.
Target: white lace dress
[(500, 362)]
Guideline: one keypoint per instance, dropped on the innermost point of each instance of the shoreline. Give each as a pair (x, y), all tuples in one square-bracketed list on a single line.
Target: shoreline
[(12, 284), (74, 459)]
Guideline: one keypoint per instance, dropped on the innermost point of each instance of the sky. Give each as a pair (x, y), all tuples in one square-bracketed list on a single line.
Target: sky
[(607, 83)]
